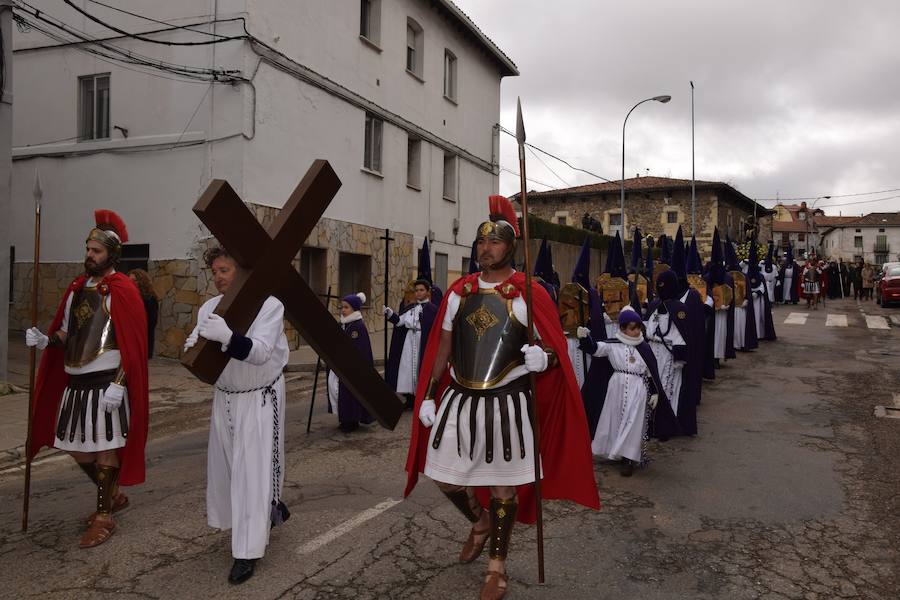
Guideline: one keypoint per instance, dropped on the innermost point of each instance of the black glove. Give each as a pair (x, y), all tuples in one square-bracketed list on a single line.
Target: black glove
[(587, 345)]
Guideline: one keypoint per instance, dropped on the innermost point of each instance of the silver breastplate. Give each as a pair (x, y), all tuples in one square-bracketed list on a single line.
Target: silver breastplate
[(487, 340), (90, 331)]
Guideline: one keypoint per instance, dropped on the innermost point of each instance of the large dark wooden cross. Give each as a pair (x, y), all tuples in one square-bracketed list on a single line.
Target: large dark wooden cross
[(265, 258)]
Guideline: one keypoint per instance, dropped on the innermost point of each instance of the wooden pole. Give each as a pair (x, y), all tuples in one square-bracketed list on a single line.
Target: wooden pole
[(32, 355), (312, 400), (536, 424), (387, 276)]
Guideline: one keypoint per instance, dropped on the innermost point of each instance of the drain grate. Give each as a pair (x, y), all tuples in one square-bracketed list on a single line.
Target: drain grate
[(887, 412)]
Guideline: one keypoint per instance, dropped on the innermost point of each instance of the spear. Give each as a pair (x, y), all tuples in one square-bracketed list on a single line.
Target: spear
[(35, 279), (536, 423)]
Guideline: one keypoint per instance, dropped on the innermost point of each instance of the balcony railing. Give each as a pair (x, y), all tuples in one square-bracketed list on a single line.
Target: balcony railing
[(882, 247)]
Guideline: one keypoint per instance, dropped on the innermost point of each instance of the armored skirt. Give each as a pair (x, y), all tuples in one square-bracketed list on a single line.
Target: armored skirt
[(81, 423), (483, 437)]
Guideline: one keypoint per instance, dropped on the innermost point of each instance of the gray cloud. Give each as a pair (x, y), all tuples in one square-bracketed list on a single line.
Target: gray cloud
[(793, 98)]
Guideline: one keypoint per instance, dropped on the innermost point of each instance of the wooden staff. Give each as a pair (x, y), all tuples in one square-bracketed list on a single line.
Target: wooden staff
[(312, 401), (35, 282), (536, 425)]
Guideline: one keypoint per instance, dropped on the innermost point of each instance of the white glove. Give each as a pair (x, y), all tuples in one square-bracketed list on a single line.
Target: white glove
[(744, 304), (387, 311), (215, 328), (535, 358), (582, 332), (654, 398), (35, 339), (112, 398), (427, 413), (191, 341)]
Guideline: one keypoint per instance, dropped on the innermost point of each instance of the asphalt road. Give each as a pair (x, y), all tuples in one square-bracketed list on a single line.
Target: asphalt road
[(789, 491)]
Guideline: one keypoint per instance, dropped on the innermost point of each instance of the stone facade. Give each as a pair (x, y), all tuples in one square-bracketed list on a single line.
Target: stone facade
[(656, 205), (183, 284)]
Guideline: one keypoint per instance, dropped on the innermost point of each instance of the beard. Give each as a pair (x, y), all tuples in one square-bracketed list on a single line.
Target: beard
[(93, 269)]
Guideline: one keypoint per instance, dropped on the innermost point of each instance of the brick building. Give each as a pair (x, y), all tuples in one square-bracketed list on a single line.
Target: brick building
[(657, 205)]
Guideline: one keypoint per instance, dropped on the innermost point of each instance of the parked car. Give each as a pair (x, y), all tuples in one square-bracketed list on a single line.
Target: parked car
[(887, 289)]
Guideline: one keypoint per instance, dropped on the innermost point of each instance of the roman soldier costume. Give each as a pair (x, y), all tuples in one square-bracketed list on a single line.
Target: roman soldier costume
[(91, 390), (482, 434)]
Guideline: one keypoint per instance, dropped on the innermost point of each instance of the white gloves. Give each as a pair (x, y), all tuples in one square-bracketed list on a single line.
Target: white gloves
[(191, 341), (744, 304), (35, 339), (427, 413), (215, 329), (582, 332), (654, 398), (112, 397), (535, 358), (387, 311)]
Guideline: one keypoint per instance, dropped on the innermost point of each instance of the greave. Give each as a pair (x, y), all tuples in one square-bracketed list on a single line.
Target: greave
[(463, 498), (503, 517), (90, 469), (107, 477)]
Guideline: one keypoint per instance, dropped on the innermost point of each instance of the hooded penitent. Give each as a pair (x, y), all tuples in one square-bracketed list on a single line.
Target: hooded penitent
[(425, 272)]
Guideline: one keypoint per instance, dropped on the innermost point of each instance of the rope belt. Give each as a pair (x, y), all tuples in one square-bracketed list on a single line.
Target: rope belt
[(268, 390)]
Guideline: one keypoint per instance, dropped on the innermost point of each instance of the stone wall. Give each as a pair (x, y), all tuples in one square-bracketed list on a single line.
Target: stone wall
[(183, 284), (649, 210)]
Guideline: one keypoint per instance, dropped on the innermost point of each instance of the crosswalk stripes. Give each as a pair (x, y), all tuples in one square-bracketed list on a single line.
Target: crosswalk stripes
[(841, 320), (836, 320)]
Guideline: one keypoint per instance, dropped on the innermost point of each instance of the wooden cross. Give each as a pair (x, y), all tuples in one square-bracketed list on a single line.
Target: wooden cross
[(265, 258)]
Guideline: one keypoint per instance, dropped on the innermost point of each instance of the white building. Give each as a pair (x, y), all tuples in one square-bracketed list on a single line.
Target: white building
[(874, 238), (401, 96)]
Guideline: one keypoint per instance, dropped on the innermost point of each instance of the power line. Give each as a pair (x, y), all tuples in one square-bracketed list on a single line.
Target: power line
[(553, 156), (511, 172), (829, 195), (535, 154), (185, 27), (859, 202)]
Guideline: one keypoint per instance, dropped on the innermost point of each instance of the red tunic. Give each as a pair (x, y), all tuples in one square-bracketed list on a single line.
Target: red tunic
[(130, 322), (567, 464)]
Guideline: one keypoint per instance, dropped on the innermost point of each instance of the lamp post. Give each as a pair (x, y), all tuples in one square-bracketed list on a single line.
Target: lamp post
[(662, 99), (811, 221)]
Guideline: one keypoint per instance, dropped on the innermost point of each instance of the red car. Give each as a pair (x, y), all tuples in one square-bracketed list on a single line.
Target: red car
[(889, 285)]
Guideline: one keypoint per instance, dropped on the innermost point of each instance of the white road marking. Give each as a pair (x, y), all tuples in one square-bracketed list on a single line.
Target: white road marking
[(347, 526), (796, 319), (876, 322), (35, 463), (895, 319), (835, 320)]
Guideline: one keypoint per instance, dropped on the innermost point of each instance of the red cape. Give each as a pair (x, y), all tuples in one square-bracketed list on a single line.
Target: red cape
[(567, 464), (130, 322)]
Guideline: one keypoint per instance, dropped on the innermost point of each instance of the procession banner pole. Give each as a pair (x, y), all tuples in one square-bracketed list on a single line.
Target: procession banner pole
[(32, 355), (536, 424)]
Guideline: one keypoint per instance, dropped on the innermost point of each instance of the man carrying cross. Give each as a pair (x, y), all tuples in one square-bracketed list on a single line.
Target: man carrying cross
[(246, 430), (479, 449)]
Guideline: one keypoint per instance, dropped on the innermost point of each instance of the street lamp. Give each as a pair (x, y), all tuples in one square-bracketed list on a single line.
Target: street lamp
[(662, 99), (811, 220)]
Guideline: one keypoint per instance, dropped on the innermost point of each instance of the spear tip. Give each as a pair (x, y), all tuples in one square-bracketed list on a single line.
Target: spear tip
[(520, 124), (37, 192)]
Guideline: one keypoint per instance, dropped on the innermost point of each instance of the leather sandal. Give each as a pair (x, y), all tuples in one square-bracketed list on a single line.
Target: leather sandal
[(120, 502), (98, 532), (495, 585), (472, 549)]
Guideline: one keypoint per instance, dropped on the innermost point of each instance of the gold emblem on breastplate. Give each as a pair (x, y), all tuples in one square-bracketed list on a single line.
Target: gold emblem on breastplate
[(83, 313), (481, 320)]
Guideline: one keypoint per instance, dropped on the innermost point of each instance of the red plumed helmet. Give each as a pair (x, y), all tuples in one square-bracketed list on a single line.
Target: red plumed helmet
[(108, 218), (501, 209)]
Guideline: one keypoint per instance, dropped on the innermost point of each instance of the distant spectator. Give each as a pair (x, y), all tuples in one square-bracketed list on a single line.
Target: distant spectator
[(151, 304), (868, 281)]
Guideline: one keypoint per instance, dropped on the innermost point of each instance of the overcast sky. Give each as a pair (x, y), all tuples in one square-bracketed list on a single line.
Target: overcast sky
[(793, 98)]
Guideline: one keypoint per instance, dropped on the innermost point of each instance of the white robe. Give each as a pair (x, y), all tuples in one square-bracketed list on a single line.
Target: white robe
[(770, 279), (444, 463), (740, 326), (622, 426), (245, 466), (788, 292), (408, 375), (721, 333), (581, 361), (670, 370), (759, 310)]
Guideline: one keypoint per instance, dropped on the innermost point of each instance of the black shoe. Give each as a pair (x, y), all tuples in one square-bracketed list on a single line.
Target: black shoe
[(349, 427), (241, 570), (627, 468)]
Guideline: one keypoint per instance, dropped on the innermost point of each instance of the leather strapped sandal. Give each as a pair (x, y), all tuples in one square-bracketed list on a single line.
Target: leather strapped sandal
[(495, 585), (472, 549), (120, 502), (98, 532)]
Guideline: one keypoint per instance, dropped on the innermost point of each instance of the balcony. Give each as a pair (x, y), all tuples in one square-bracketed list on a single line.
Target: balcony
[(881, 247)]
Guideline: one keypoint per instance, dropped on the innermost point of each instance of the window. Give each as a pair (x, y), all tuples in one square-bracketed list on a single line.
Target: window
[(134, 256), (370, 20), (857, 241), (802, 215), (881, 230), (440, 270), (414, 48), (801, 237), (413, 163), (859, 231), (672, 216), (561, 220), (881, 244), (449, 176), (93, 107), (785, 239), (615, 223), (449, 75), (355, 275), (312, 269), (372, 153)]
